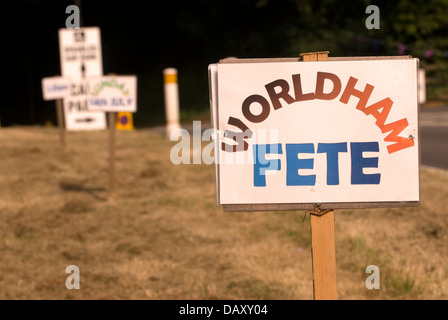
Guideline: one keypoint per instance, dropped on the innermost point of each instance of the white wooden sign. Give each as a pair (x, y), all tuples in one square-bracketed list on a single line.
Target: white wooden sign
[(113, 94), (55, 88), (342, 134), (80, 54)]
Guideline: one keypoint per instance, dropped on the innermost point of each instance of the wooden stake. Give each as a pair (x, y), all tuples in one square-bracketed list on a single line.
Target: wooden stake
[(315, 56), (323, 252), (323, 249), (60, 114), (111, 120)]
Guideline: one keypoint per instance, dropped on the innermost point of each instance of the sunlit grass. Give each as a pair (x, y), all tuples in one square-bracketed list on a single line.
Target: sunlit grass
[(163, 237)]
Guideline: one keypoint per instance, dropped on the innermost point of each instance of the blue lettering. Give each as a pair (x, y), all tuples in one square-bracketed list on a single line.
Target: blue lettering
[(332, 150), (358, 163), (56, 87), (117, 102), (261, 164), (98, 101), (293, 164)]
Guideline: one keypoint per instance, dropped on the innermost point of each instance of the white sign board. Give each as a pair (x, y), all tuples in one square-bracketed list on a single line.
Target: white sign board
[(55, 88), (80, 53), (113, 94), (342, 134)]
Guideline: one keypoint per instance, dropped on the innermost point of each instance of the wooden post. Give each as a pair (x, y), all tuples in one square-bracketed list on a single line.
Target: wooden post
[(323, 252), (60, 114), (315, 56), (111, 120), (323, 249)]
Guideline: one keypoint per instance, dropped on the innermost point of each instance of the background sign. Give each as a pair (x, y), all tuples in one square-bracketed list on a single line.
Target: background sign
[(112, 94), (80, 53), (124, 121), (339, 133), (55, 88)]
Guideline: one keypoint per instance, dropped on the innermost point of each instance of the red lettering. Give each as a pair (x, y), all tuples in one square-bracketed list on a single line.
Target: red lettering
[(321, 77), (400, 142), (276, 96), (362, 95), (386, 105)]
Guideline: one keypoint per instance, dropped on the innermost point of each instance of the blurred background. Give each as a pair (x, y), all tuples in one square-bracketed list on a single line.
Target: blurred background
[(163, 236), (144, 37)]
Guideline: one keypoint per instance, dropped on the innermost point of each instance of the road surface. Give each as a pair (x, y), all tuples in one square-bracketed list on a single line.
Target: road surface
[(434, 137)]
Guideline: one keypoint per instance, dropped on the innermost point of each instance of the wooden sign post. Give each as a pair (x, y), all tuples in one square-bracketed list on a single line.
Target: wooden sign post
[(323, 253), (57, 88), (111, 123), (316, 133), (60, 115), (323, 248), (111, 120), (112, 94)]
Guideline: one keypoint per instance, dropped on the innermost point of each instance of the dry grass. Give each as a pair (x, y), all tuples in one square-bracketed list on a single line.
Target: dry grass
[(163, 237)]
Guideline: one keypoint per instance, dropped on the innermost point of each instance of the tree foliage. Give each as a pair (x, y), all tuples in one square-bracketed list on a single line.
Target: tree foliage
[(143, 37)]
